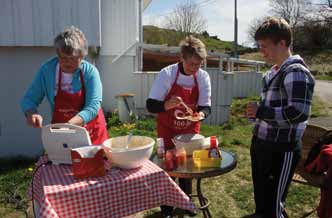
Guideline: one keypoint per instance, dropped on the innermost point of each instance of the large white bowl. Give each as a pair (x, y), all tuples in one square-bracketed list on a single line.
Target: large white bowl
[(191, 142), (139, 149)]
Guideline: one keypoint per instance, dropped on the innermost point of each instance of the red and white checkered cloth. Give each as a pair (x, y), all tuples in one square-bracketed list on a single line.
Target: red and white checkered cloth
[(117, 194)]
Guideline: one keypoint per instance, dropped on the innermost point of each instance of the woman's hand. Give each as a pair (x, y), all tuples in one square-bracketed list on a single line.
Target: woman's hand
[(34, 119), (76, 120), (198, 116), (173, 102)]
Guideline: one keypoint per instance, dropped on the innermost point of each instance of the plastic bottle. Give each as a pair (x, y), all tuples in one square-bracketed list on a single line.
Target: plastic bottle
[(214, 150), (160, 148), (251, 117), (169, 164), (180, 156)]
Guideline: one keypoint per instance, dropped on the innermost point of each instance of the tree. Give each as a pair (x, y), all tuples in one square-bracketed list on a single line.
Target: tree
[(205, 34), (253, 26), (186, 18), (291, 10)]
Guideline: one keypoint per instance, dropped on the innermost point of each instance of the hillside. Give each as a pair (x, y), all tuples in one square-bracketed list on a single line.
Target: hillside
[(319, 61), (157, 36)]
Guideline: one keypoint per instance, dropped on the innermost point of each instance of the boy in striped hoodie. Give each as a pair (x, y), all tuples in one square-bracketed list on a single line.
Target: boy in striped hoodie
[(281, 118)]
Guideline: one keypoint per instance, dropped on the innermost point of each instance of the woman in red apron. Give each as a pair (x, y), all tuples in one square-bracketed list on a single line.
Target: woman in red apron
[(176, 84), (168, 125), (68, 105), (75, 96)]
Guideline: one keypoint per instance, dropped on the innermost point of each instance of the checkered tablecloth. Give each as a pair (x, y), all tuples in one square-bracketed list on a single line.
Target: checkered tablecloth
[(117, 194)]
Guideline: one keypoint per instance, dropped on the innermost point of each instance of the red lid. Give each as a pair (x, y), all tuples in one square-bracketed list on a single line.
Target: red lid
[(213, 141)]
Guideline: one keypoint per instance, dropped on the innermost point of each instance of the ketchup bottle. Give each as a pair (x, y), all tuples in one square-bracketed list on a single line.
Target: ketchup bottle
[(169, 164), (213, 150), (180, 156)]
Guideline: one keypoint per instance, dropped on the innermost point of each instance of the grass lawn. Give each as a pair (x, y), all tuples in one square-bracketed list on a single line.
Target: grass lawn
[(231, 195)]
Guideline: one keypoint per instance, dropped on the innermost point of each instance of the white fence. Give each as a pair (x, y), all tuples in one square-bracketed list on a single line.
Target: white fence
[(246, 83), (223, 85)]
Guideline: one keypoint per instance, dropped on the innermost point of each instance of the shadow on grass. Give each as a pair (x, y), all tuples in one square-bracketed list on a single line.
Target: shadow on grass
[(154, 215), (178, 213), (15, 163)]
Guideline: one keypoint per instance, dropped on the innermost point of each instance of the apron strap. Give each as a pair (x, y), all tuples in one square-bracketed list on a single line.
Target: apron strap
[(177, 74), (59, 79), (195, 79), (82, 80)]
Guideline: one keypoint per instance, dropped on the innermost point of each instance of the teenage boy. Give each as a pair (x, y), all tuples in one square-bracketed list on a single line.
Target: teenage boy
[(281, 118)]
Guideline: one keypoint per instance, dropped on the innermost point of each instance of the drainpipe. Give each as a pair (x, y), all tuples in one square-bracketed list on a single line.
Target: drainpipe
[(140, 36)]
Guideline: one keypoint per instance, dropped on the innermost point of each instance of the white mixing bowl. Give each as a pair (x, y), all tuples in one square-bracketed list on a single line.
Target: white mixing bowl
[(139, 149)]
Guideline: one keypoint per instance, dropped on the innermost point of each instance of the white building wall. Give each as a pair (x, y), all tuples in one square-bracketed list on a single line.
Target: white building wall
[(119, 25), (119, 22), (116, 78), (36, 22), (18, 67)]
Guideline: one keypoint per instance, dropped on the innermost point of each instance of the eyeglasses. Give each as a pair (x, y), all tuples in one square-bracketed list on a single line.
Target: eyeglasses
[(193, 63), (69, 58)]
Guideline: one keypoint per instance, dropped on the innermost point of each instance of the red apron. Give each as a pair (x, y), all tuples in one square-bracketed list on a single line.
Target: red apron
[(67, 105), (167, 125)]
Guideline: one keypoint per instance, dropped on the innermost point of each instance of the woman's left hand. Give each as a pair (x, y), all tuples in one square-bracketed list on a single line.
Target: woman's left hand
[(197, 116)]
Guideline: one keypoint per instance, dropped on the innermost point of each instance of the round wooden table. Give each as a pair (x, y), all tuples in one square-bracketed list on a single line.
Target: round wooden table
[(189, 171)]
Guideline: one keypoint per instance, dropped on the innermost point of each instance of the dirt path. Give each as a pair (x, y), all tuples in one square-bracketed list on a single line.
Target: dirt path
[(323, 89)]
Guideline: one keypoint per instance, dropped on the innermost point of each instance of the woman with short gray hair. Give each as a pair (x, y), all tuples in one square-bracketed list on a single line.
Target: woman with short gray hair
[(71, 85), (72, 41)]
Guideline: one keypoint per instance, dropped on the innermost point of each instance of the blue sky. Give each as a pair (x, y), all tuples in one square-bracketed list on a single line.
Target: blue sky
[(219, 15)]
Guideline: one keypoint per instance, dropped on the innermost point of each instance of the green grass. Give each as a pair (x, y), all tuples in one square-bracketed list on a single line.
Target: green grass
[(14, 180), (230, 195), (323, 77)]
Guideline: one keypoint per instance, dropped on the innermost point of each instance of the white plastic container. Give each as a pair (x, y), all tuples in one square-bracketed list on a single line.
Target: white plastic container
[(191, 142)]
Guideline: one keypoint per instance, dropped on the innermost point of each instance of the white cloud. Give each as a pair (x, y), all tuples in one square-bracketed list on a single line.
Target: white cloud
[(220, 17), (149, 19)]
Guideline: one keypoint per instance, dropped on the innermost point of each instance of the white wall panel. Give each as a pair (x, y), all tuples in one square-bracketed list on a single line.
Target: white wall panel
[(18, 68), (36, 22), (119, 23), (44, 31), (6, 23), (23, 22)]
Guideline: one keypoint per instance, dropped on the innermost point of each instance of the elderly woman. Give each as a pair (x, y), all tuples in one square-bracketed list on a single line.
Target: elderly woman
[(71, 85), (181, 97)]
